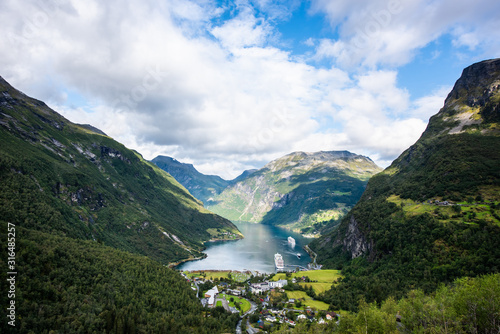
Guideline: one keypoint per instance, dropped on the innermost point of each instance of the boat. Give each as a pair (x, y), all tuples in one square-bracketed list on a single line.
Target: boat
[(278, 261), (298, 255), (291, 241)]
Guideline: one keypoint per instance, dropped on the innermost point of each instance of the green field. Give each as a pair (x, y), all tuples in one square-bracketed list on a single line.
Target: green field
[(297, 295), (318, 287), (321, 276), (212, 275), (323, 279), (467, 212), (306, 300), (245, 304)]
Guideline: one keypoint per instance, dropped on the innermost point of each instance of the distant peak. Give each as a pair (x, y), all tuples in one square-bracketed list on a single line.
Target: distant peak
[(323, 154)]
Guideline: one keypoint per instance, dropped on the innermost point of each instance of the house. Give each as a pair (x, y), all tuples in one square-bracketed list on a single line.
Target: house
[(259, 287), (211, 295), (331, 315), (212, 292), (278, 284), (234, 292), (301, 316), (271, 319)]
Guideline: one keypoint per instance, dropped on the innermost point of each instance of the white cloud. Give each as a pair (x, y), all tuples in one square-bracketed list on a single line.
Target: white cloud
[(381, 32), (242, 31), (177, 79)]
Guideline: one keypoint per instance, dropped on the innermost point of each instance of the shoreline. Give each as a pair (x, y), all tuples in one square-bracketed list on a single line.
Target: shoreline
[(217, 239), (172, 265)]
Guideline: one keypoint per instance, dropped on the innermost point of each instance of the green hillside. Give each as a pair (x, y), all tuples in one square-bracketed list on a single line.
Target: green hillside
[(95, 227), (65, 179), (434, 214), (67, 285), (302, 191)]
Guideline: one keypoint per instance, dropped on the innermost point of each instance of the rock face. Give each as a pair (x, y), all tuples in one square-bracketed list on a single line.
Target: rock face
[(472, 104), (477, 84), (436, 207), (301, 190), (354, 241)]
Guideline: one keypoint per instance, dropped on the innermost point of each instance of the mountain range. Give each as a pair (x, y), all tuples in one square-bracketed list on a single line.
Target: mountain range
[(203, 187), (91, 223), (91, 226), (71, 180), (301, 191), (434, 214)]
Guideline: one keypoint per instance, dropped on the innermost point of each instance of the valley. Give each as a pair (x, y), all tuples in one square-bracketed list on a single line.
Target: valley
[(99, 231), (303, 192)]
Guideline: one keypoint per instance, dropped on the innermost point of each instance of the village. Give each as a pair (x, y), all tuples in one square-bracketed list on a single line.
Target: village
[(266, 300)]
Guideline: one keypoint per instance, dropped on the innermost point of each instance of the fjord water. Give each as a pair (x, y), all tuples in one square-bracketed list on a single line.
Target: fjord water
[(254, 252)]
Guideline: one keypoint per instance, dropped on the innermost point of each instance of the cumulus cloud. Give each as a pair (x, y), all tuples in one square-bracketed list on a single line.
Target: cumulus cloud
[(389, 32), (207, 84)]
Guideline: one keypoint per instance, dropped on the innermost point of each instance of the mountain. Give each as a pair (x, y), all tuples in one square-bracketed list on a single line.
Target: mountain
[(90, 227), (434, 214), (301, 191), (74, 181), (66, 285), (203, 187)]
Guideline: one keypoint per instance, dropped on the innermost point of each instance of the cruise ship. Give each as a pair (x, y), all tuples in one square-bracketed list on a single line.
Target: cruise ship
[(291, 241), (278, 261)]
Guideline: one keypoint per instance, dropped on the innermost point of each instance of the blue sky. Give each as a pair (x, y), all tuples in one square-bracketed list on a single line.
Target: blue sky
[(231, 85)]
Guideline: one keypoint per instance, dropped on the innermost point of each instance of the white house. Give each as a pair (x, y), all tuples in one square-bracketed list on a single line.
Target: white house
[(278, 284), (211, 294)]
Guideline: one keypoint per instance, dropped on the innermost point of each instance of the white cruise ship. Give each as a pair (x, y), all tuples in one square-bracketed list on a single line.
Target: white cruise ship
[(278, 261), (291, 241)]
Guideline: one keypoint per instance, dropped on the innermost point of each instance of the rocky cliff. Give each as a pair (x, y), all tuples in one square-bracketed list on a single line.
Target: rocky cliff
[(302, 191)]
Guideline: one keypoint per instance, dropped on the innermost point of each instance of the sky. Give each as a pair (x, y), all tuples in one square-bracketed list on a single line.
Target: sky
[(232, 85)]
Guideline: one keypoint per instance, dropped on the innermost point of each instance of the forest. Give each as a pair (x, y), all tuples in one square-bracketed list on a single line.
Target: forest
[(67, 285), (467, 305)]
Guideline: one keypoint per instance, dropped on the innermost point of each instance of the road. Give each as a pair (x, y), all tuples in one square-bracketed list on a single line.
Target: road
[(250, 329)]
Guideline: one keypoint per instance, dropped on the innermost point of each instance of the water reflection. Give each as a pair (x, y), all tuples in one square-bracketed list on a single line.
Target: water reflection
[(255, 252)]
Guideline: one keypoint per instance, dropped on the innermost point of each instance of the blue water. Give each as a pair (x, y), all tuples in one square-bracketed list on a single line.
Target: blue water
[(254, 252)]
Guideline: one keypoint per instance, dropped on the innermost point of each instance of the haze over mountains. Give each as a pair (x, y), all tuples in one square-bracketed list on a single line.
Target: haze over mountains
[(203, 187), (301, 191)]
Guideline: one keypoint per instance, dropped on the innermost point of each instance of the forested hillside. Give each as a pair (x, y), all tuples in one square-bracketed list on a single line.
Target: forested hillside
[(65, 179), (434, 214), (66, 285), (93, 227), (465, 306)]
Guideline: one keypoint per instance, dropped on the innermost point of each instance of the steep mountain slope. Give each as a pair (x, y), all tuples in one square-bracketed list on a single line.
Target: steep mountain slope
[(298, 190), (203, 187), (66, 285), (434, 214), (68, 180)]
